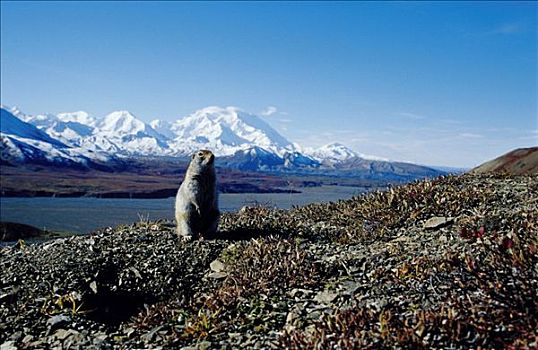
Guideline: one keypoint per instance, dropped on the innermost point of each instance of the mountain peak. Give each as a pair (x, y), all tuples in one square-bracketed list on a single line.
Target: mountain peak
[(335, 152), (81, 117), (335, 145), (219, 109), (227, 130), (121, 122), (120, 114)]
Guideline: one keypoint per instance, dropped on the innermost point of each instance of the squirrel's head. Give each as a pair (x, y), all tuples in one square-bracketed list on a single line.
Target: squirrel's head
[(202, 159)]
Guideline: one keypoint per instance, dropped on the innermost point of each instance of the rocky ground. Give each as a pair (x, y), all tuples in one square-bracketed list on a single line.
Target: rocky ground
[(447, 263)]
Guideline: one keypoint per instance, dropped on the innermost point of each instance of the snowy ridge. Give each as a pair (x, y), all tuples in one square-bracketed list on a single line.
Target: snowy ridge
[(123, 131), (336, 152), (228, 131), (22, 142), (14, 127), (162, 127), (333, 152), (80, 117)]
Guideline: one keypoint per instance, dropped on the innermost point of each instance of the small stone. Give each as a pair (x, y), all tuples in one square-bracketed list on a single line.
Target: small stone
[(101, 336), (74, 338), (217, 275), (349, 287), (27, 339), (35, 344), (16, 336), (217, 266), (9, 345), (437, 222), (61, 334), (204, 345), (58, 321), (325, 297), (296, 292), (93, 287)]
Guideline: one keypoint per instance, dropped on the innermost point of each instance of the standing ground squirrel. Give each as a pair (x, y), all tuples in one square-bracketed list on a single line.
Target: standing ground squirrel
[(197, 209)]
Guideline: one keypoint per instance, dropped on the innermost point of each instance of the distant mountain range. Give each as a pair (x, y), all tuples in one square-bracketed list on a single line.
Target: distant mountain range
[(239, 139)]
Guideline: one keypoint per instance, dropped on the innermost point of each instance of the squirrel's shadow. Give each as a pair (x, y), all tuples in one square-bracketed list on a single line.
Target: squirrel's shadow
[(244, 234)]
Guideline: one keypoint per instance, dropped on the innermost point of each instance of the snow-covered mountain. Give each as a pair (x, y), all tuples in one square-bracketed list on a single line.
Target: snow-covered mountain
[(69, 128), (119, 133), (128, 134), (239, 139), (80, 117), (13, 127), (123, 123), (226, 131), (334, 153), (23, 142)]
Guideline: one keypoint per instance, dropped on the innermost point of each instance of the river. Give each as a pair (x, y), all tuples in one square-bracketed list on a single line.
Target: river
[(85, 214)]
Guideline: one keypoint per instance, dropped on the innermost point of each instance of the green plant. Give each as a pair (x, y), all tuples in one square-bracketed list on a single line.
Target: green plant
[(60, 303)]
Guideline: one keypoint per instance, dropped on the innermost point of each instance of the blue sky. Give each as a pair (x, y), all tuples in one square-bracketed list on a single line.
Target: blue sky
[(434, 83)]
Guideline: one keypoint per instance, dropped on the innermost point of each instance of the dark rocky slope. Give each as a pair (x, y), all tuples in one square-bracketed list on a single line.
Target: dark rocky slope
[(444, 263)]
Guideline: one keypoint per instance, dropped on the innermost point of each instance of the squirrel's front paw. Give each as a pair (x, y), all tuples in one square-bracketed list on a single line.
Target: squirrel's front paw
[(186, 238)]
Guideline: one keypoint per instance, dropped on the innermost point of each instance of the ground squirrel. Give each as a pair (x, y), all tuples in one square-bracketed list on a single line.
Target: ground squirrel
[(197, 210)]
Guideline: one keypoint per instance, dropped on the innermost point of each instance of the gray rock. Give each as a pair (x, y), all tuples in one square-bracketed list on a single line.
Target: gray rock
[(298, 292), (93, 287), (27, 339), (349, 287), (436, 222), (16, 336), (57, 321), (9, 345), (325, 297), (217, 275), (217, 266), (61, 333), (75, 339), (36, 344), (203, 345)]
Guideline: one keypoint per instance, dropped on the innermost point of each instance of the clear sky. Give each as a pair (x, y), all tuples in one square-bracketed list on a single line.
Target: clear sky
[(434, 83)]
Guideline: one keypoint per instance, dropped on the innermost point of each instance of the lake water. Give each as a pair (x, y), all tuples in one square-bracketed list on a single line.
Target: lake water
[(83, 215)]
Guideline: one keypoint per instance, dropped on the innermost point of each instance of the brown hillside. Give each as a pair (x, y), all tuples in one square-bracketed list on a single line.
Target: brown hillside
[(516, 162)]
